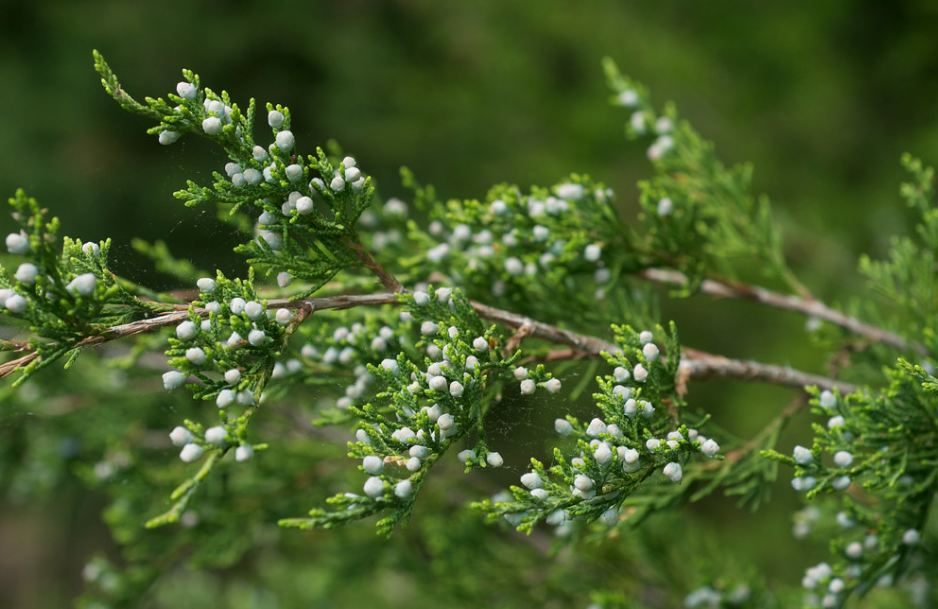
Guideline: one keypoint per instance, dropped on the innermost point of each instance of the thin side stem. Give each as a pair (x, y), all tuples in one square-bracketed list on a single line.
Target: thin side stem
[(388, 280), (788, 302)]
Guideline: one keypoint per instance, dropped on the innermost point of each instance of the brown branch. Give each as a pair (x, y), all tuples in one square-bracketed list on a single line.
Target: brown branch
[(694, 363), (811, 308), (699, 364), (388, 280)]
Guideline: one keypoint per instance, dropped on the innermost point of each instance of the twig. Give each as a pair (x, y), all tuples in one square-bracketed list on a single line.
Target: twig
[(811, 308), (699, 364), (388, 280)]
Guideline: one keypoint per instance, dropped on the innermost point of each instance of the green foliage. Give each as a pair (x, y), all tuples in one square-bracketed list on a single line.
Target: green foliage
[(412, 384), (307, 205), (699, 215), (435, 394), (907, 279), (64, 291)]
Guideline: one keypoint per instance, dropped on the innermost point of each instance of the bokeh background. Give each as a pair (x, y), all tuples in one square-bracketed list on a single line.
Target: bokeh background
[(822, 97)]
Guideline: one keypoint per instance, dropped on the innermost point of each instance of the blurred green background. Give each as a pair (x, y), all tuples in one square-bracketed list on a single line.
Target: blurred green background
[(822, 97)]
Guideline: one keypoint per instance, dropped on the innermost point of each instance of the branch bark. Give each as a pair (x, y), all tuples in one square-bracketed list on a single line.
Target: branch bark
[(694, 364), (811, 308)]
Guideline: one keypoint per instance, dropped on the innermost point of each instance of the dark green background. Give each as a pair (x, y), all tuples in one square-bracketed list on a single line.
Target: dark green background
[(823, 97)]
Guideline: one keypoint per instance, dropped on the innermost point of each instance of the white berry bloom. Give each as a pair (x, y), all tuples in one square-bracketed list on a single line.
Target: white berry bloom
[(252, 176), (629, 455), (531, 480), (413, 464), (596, 428), (446, 421), (527, 387), (631, 407), (854, 549), (419, 451), (840, 483), (583, 483), (190, 452), (570, 191), (337, 184), (389, 364), (187, 330), (911, 537), (206, 284), (428, 327), (403, 489), (83, 285), (628, 98), (640, 373), (283, 316), (15, 303), (421, 298), (593, 252), (195, 355), (253, 309), (466, 455), (374, 487), (652, 444), (494, 459), (802, 455), (26, 273), (244, 453), (621, 374), (520, 373), (180, 436), (186, 90), (212, 125), (17, 243), (480, 344), (563, 427), (257, 337), (553, 385), (513, 266), (275, 119), (403, 435), (437, 383), (834, 422), (803, 484), (602, 454), (650, 351), (646, 337), (173, 379), (710, 448), (456, 389), (827, 400), (167, 137), (637, 121), (225, 398), (843, 458), (673, 471), (373, 464), (285, 140), (215, 435)]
